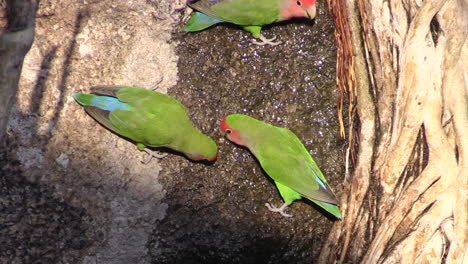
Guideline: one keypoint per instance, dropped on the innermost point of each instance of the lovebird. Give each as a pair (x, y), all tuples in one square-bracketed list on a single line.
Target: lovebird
[(148, 118), (251, 15), (285, 159)]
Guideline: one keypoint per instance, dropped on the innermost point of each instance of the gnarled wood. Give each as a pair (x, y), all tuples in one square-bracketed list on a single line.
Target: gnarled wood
[(407, 200)]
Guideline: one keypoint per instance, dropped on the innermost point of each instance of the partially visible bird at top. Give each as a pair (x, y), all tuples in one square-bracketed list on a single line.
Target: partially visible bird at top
[(251, 15)]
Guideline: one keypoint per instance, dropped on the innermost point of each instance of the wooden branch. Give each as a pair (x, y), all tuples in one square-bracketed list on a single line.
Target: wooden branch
[(421, 213), (454, 23), (15, 42), (439, 194), (361, 178), (417, 59), (459, 252), (416, 245), (403, 206), (443, 166)]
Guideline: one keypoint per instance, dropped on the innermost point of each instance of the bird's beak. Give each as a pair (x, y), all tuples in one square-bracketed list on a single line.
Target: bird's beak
[(311, 12)]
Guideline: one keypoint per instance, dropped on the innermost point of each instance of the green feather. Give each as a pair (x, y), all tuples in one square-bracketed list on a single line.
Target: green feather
[(152, 119), (285, 159), (251, 15), (83, 99), (246, 12)]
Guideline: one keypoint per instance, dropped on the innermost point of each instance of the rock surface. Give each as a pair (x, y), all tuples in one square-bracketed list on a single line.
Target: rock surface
[(73, 192)]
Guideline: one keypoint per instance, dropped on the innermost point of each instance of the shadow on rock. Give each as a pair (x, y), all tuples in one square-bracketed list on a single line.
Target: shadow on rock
[(210, 235), (35, 226)]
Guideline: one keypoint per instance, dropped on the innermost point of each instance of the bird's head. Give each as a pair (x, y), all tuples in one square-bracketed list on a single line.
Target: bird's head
[(298, 8), (227, 127), (199, 147)]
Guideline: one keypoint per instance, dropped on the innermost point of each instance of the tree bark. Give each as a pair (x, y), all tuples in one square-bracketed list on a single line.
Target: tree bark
[(15, 42), (407, 79)]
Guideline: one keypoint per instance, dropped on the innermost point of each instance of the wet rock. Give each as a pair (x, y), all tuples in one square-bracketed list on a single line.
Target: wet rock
[(76, 193), (217, 213)]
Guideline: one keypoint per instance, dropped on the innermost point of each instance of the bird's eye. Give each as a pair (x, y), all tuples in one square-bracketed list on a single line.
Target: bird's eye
[(229, 131), (299, 3)]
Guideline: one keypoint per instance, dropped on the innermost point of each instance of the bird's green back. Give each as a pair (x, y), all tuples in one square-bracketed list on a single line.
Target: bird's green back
[(152, 114), (241, 12)]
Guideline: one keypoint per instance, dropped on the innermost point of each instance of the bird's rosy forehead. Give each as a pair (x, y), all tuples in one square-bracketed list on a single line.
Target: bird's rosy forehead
[(308, 2), (224, 124)]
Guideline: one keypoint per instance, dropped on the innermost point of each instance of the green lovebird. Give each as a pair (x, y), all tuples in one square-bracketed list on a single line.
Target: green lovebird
[(251, 15), (285, 159), (148, 118)]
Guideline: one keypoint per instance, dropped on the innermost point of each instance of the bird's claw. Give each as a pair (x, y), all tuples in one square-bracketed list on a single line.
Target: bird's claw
[(278, 210), (156, 85), (152, 154), (266, 41)]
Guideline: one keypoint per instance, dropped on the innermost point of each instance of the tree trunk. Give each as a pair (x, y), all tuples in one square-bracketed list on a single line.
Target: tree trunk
[(15, 42), (404, 65)]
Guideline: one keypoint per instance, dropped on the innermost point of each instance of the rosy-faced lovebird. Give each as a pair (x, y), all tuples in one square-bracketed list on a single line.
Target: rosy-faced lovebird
[(251, 15), (285, 159), (148, 118)]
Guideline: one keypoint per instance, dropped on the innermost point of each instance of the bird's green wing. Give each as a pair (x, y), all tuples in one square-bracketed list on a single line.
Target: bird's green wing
[(142, 127), (289, 195), (155, 118), (240, 12), (148, 100), (102, 116), (331, 208), (285, 159), (138, 97)]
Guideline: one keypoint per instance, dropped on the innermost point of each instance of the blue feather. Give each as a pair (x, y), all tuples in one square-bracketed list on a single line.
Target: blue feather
[(199, 21), (320, 181), (109, 103), (317, 178), (204, 19)]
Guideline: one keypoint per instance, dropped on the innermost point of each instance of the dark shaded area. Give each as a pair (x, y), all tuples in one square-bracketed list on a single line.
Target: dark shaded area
[(217, 213), (208, 235), (435, 30), (36, 227), (39, 87)]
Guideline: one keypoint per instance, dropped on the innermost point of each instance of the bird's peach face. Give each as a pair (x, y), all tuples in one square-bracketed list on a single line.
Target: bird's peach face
[(299, 8), (231, 134)]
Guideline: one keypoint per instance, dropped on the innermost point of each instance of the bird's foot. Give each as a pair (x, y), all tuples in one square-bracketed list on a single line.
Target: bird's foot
[(266, 41), (152, 154), (278, 210), (156, 84)]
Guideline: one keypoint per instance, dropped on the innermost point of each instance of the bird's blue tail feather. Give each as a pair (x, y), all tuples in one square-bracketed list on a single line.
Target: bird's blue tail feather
[(107, 103), (319, 180), (199, 21)]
